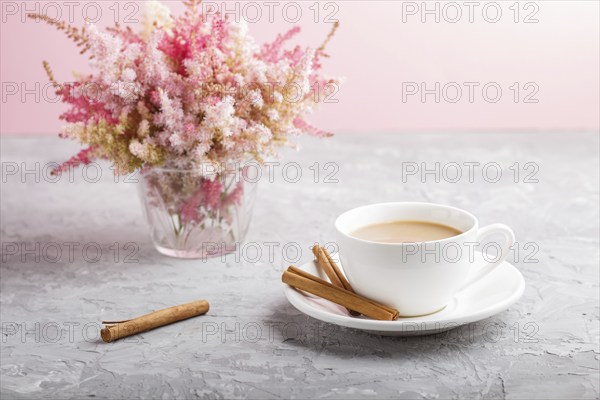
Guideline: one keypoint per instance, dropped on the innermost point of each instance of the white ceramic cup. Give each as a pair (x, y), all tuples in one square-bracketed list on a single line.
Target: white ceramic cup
[(417, 278)]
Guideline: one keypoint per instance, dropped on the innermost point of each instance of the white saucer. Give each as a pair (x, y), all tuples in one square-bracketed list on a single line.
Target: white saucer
[(492, 294)]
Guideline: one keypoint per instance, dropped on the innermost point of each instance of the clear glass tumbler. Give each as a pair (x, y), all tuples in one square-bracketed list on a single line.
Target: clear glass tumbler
[(194, 216)]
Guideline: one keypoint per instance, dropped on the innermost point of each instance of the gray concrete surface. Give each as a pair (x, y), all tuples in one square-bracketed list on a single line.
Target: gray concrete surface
[(252, 343)]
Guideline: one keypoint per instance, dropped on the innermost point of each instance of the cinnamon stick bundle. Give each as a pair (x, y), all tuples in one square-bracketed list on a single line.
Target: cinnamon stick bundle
[(117, 330), (306, 282)]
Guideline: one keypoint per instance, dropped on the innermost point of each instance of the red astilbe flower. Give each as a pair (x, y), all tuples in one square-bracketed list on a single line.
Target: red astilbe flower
[(83, 106), (187, 41)]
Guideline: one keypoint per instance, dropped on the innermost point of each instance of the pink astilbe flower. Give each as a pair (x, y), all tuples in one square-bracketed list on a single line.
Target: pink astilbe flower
[(84, 157), (208, 196), (306, 127), (294, 56), (84, 107), (188, 90), (271, 51), (233, 198)]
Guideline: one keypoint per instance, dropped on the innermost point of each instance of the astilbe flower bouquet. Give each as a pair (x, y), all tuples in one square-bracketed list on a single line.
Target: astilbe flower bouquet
[(182, 94)]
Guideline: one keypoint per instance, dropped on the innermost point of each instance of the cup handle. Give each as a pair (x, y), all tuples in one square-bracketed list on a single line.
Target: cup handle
[(509, 240)]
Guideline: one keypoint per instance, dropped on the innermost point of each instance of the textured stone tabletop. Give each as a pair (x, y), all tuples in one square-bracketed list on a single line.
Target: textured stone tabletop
[(253, 343)]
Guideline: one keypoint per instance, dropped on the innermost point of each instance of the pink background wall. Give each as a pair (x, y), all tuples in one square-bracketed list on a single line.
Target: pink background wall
[(378, 53)]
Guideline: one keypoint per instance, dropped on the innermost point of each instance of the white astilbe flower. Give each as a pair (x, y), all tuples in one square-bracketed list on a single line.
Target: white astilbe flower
[(200, 151), (303, 71), (143, 128), (172, 118), (260, 132), (171, 113), (156, 15), (176, 141), (221, 117), (273, 114), (255, 96), (143, 150), (241, 42), (278, 97), (128, 74), (137, 149), (73, 130), (131, 53), (154, 64), (107, 53)]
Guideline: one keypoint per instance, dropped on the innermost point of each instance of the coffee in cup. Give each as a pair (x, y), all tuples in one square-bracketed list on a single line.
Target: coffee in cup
[(405, 232)]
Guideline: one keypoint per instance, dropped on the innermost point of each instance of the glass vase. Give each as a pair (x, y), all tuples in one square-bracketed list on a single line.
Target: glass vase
[(192, 215)]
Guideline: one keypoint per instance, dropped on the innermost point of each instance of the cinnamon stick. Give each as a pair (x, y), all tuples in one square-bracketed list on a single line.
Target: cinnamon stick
[(312, 277), (335, 275), (306, 282), (330, 268), (117, 330)]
